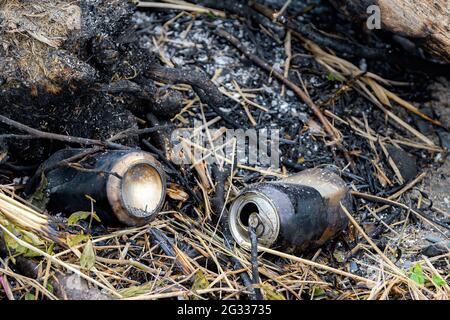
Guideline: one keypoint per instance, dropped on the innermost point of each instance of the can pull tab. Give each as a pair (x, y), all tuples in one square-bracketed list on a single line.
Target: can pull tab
[(253, 220), (255, 223)]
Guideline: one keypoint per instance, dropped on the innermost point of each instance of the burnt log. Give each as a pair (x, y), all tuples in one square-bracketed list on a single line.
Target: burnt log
[(426, 22)]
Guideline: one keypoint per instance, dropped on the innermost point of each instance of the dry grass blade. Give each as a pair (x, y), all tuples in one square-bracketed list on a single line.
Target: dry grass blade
[(57, 261), (180, 5), (345, 70), (316, 265), (27, 218), (410, 107)]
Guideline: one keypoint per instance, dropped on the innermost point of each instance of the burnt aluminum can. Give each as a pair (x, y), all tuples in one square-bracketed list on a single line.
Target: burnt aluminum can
[(128, 187), (297, 213)]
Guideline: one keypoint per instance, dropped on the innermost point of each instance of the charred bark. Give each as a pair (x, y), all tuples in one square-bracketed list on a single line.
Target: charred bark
[(426, 22), (75, 68)]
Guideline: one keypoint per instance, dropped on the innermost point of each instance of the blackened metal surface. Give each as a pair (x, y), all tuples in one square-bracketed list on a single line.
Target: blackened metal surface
[(309, 214), (67, 186)]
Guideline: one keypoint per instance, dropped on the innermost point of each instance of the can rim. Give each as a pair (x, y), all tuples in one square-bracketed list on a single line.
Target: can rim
[(270, 217), (115, 188)]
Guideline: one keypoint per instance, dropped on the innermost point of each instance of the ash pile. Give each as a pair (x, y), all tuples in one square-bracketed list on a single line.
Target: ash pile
[(232, 150)]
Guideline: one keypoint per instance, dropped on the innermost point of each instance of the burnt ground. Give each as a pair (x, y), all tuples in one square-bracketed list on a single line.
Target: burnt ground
[(188, 41), (200, 48)]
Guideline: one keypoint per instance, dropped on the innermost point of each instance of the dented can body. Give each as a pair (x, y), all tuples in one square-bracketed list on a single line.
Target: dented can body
[(297, 213), (128, 186)]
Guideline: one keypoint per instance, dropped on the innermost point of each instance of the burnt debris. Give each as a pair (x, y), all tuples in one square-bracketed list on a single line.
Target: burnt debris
[(85, 85), (77, 70)]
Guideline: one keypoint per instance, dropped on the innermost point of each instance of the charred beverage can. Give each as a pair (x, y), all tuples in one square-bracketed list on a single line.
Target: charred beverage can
[(296, 213), (128, 186)]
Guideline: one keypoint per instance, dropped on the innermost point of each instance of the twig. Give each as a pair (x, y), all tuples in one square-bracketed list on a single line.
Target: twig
[(282, 10), (264, 65), (374, 246), (133, 263), (167, 246), (352, 49), (252, 224), (316, 265), (202, 85), (59, 137), (421, 215), (184, 7), (287, 62), (237, 265), (6, 288), (17, 136), (174, 294), (136, 132), (394, 268), (241, 8)]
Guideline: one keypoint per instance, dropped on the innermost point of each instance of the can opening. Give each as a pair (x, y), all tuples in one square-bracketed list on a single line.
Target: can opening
[(246, 211), (142, 189), (251, 204)]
